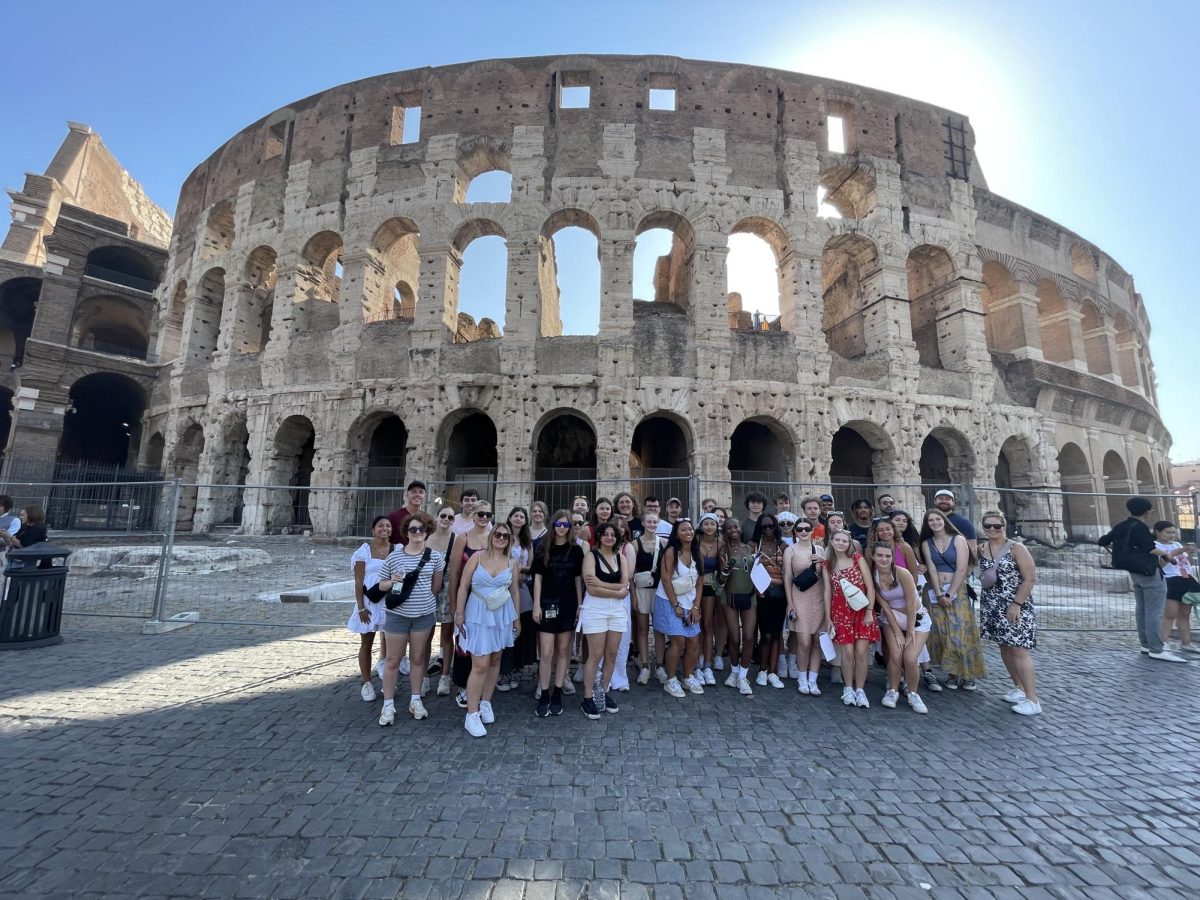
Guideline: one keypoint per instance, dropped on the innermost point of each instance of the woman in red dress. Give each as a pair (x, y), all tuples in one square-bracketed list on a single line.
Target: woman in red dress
[(854, 630)]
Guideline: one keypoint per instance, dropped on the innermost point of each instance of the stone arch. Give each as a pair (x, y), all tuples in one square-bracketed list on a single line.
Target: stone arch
[(483, 174), (579, 220), (156, 448), (189, 448), (378, 457), (251, 329), (772, 234), (859, 452), (393, 269), (122, 265), (111, 325), (1116, 485), (103, 419), (660, 456), (231, 470), (1095, 340), (467, 442), (564, 455), (1004, 325), (846, 189), (849, 283), (1079, 503), (205, 332), (931, 273), (947, 460), (761, 457), (171, 322), (1054, 323), (319, 274), (18, 306), (1144, 473), (290, 465), (1013, 474), (218, 230), (671, 279), (494, 293)]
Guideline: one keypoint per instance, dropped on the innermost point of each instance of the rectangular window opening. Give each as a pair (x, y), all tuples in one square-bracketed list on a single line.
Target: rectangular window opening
[(662, 98), (837, 133), (406, 124), (275, 142), (575, 96)]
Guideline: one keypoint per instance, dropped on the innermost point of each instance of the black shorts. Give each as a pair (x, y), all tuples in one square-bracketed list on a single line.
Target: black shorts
[(772, 607), (568, 616), (1178, 585)]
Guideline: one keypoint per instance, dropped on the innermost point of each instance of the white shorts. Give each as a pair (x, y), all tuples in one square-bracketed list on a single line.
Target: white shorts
[(598, 615), (924, 620)]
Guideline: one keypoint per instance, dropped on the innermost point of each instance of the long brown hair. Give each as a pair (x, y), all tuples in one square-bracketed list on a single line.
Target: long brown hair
[(550, 538)]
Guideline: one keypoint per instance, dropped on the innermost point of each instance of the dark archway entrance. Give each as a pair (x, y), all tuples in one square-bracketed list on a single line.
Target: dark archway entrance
[(659, 461), (386, 440), (565, 461), (851, 464), (18, 303), (471, 459), (103, 421), (1079, 503), (759, 460), (295, 450)]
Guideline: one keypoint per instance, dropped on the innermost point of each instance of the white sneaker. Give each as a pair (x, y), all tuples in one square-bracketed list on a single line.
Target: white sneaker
[(732, 680), (890, 698), (444, 686), (719, 664), (917, 704), (485, 712), (812, 686), (804, 689), (1145, 649), (568, 688), (417, 710), (848, 695), (835, 676), (692, 683), (774, 681), (578, 676), (793, 669), (1164, 655), (1190, 648), (643, 676), (661, 674), (761, 680), (860, 699), (367, 692), (709, 677), (743, 686), (380, 665), (387, 715), (1028, 708), (404, 666), (1016, 695), (474, 725), (674, 688)]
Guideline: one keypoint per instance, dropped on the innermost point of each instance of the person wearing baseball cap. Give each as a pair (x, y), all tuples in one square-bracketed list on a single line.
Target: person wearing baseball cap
[(672, 511), (943, 500)]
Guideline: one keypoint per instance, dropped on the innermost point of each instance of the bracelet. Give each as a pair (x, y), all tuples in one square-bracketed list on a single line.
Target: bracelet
[(1015, 603)]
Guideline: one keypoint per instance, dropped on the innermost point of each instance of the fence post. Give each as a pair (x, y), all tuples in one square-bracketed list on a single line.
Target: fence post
[(694, 497), (164, 557)]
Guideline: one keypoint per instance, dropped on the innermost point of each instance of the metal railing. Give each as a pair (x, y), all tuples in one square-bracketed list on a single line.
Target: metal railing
[(146, 285)]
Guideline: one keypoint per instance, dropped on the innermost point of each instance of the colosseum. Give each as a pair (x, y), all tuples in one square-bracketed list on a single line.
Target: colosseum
[(304, 330)]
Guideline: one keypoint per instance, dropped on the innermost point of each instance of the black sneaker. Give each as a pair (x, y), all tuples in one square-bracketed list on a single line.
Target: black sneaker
[(543, 706), (589, 708), (555, 701), (610, 704), (461, 698), (435, 668)]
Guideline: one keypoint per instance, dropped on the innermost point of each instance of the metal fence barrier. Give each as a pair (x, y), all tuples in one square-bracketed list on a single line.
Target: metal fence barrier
[(280, 555)]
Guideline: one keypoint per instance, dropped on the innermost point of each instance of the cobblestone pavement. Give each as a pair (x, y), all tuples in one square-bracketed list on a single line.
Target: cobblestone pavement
[(241, 762)]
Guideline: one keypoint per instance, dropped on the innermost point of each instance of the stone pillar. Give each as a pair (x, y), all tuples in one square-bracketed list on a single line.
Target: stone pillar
[(707, 306), (962, 343), (1068, 324), (1012, 323), (522, 302), (887, 323), (616, 283), (803, 319), (362, 277)]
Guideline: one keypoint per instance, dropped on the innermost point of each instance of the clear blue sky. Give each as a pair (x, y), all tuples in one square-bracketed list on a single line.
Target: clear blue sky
[(1085, 112)]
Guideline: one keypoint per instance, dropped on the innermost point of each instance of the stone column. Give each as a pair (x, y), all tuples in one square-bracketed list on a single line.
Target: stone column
[(522, 304), (1067, 325), (1012, 323), (707, 306)]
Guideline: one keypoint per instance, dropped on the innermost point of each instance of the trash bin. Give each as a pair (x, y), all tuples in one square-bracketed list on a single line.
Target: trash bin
[(31, 610)]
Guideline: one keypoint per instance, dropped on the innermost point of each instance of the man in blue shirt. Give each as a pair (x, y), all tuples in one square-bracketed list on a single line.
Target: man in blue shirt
[(943, 500)]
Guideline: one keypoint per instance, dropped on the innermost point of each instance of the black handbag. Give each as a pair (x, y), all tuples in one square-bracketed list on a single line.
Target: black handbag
[(394, 600), (806, 579)]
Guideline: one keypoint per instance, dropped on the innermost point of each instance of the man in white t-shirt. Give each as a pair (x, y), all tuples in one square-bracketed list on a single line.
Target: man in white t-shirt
[(465, 520)]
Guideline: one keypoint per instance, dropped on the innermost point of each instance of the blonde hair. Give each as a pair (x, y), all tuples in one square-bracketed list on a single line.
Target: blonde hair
[(994, 514)]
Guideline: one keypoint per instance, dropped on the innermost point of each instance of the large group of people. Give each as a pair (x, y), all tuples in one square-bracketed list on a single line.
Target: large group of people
[(613, 587)]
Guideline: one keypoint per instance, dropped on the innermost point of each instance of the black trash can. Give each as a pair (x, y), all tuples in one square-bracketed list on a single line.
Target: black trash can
[(32, 607)]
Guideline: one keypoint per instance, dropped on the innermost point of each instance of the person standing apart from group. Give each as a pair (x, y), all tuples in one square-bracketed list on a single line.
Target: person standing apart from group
[(1006, 614), (1177, 570)]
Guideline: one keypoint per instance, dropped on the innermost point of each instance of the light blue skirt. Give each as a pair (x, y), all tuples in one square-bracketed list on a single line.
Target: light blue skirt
[(666, 622), (488, 630)]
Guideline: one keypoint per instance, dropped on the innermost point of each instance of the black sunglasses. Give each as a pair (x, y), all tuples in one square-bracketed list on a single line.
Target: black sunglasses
[(993, 526), (562, 524), (417, 529), (483, 514)]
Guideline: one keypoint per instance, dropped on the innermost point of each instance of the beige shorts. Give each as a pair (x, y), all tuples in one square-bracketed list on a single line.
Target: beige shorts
[(644, 600)]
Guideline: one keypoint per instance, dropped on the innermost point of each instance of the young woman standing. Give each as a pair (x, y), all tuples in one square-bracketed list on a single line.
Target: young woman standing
[(619, 680), (538, 529), (772, 603), (710, 558), (1006, 613), (367, 617), (647, 549), (441, 540), (903, 621), (806, 606), (741, 613), (557, 595), (954, 643), (907, 534), (854, 630), (603, 617), (466, 545), (524, 650), (626, 506), (676, 611), (488, 612)]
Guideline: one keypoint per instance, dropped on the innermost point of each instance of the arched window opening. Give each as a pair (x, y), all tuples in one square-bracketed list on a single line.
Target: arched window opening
[(760, 459), (851, 465), (660, 461), (1079, 504), (1054, 323), (1145, 478), (469, 448), (18, 304), (256, 301), (205, 333), (482, 285), (110, 325), (121, 265), (155, 448), (760, 272), (1003, 326), (1116, 486), (490, 187), (1013, 474), (187, 468), (1095, 341), (103, 420), (662, 260), (483, 175), (930, 276), (292, 467), (849, 283), (569, 274), (319, 274), (393, 268), (846, 191), (565, 460), (232, 471), (218, 230), (947, 461)]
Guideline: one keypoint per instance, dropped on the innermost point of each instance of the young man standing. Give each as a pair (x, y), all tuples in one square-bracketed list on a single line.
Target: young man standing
[(860, 520), (826, 506), (886, 503), (783, 503), (667, 522), (944, 501), (1133, 550), (756, 502), (465, 520), (811, 507), (415, 497)]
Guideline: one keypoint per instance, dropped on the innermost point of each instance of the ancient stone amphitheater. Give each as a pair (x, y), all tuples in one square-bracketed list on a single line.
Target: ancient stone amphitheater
[(308, 329)]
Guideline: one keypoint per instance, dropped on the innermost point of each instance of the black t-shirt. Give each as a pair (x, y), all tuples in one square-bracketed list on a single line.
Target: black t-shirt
[(860, 532), (559, 573)]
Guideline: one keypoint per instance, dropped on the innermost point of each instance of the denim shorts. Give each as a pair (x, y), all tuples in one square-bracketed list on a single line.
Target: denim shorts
[(398, 624)]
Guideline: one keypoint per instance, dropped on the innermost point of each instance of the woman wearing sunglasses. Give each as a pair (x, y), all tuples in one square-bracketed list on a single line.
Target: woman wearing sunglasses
[(557, 594), (411, 622), (467, 545), (806, 606), (741, 614), (441, 540), (772, 603), (676, 610), (1006, 614), (488, 611)]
